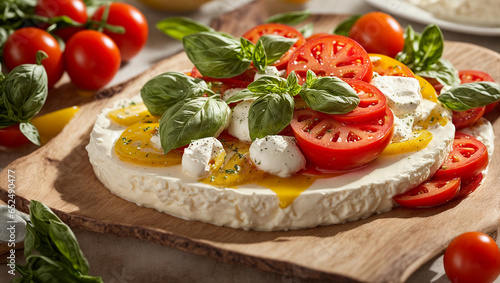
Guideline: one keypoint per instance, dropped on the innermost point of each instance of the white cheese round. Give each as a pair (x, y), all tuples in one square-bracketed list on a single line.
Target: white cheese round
[(347, 197)]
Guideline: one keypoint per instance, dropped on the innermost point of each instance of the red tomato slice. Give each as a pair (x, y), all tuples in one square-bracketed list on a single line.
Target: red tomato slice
[(469, 185), (472, 76), (316, 35), (430, 193), (467, 158), (277, 29), (12, 137), (371, 106), (334, 145), (332, 55), (463, 119), (240, 81)]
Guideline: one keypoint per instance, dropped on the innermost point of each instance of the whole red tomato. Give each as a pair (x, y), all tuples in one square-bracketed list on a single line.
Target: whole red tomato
[(135, 24), (21, 48), (74, 9), (472, 257), (378, 32), (92, 59), (12, 137)]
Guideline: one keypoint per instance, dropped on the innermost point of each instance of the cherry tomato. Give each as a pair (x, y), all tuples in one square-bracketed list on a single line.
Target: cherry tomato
[(371, 106), (430, 193), (472, 76), (21, 48), (463, 119), (378, 32), (135, 24), (472, 257), (242, 80), (12, 137), (387, 66), (332, 55), (334, 145), (469, 185), (277, 29), (467, 158), (92, 59), (74, 9)]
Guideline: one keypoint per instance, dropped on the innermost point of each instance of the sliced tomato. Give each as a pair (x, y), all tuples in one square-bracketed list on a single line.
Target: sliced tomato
[(387, 66), (332, 55), (469, 185), (463, 119), (430, 193), (371, 106), (316, 35), (472, 76), (277, 29), (240, 81), (334, 145), (467, 158)]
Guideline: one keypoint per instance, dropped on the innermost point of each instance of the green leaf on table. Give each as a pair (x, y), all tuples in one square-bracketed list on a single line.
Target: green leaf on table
[(291, 18), (345, 26), (179, 27), (470, 95)]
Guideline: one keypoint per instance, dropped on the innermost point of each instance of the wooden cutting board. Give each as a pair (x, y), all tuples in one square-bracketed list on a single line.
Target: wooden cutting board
[(382, 248)]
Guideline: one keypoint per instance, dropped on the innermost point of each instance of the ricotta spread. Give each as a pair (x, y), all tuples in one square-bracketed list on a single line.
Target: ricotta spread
[(346, 197)]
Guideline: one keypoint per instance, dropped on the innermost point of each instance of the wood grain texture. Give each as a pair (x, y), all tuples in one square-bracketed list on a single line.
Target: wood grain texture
[(382, 248)]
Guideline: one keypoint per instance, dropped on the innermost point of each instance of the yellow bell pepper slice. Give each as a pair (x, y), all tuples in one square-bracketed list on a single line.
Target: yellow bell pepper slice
[(426, 89), (420, 142), (51, 124)]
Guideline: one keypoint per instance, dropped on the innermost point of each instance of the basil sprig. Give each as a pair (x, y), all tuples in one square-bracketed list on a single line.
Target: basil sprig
[(422, 54), (192, 119), (179, 27), (59, 257), (167, 89), (471, 95), (273, 107), (345, 26), (23, 93), (291, 18), (189, 109), (222, 56)]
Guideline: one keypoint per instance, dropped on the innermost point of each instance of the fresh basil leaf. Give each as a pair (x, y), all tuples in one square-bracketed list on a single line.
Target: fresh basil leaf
[(307, 30), (192, 119), (444, 72), (31, 241), (65, 241), (268, 84), (275, 46), (179, 27), (245, 94), (412, 41), (431, 45), (269, 114), (470, 95), (291, 19), (215, 55), (41, 215), (310, 77), (247, 46), (167, 89), (330, 95), (345, 26), (292, 82), (30, 131), (259, 56), (25, 92)]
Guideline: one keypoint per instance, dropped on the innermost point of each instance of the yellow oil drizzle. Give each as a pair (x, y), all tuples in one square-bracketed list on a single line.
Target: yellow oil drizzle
[(287, 189)]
